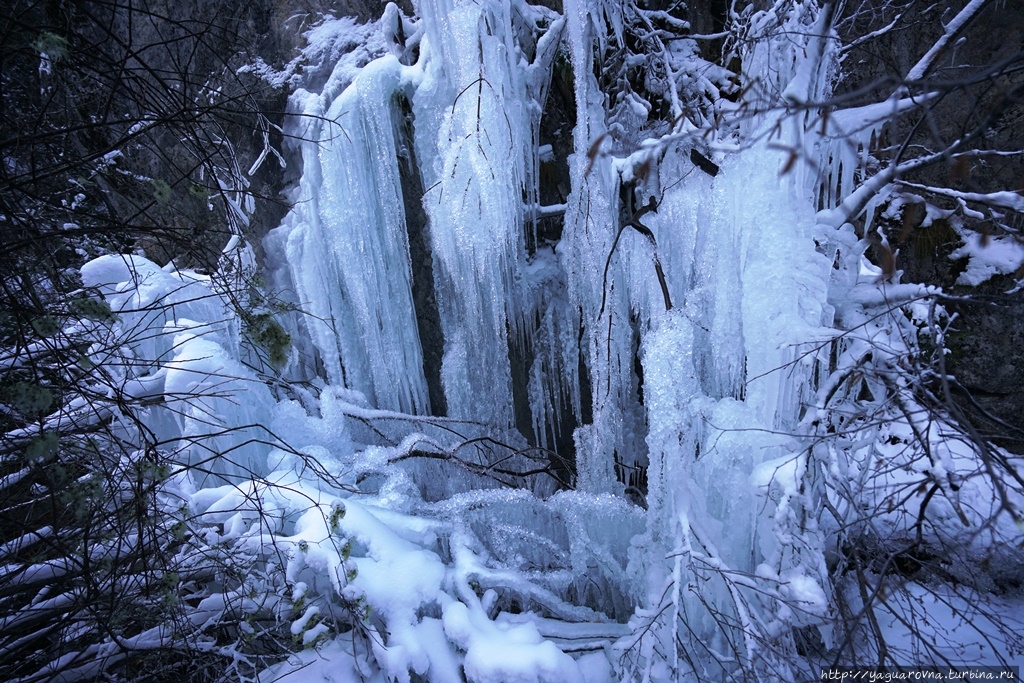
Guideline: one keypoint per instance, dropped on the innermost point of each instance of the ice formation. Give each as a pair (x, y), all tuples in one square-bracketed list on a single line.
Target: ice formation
[(723, 370), (740, 264), (451, 559)]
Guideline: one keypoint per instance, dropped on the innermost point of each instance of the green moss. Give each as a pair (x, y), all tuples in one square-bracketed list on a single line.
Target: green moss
[(337, 514), (46, 326), (55, 47), (28, 398), (43, 448), (161, 191), (93, 309), (268, 334)]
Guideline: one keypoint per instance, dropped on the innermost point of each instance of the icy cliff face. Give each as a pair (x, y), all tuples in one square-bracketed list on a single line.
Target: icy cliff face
[(683, 317), (734, 373), (738, 249), (473, 137), (670, 426), (347, 244)]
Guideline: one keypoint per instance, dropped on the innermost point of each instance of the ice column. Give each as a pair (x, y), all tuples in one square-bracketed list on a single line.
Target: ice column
[(591, 224), (348, 247), (472, 137)]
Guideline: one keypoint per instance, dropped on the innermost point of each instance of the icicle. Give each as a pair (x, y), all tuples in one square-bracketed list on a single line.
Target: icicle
[(591, 226), (701, 246), (472, 130), (553, 384), (348, 249)]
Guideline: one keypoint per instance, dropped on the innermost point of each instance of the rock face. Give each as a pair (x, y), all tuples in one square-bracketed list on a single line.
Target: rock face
[(987, 361), (979, 99), (272, 30)]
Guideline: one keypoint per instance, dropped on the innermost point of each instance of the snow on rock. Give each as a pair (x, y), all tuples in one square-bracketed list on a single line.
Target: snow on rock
[(505, 653), (396, 575), (958, 628), (146, 298), (988, 256), (109, 271), (804, 596), (184, 341), (221, 434), (335, 662)]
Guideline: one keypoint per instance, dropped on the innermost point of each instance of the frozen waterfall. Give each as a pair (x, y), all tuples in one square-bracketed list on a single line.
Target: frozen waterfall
[(683, 406)]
